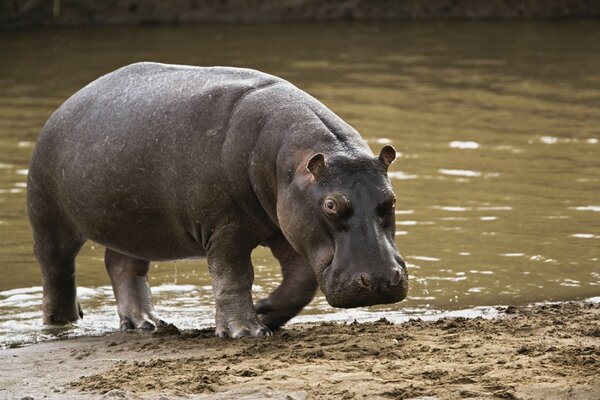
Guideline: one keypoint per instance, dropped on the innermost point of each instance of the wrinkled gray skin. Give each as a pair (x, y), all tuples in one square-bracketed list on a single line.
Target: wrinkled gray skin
[(161, 162)]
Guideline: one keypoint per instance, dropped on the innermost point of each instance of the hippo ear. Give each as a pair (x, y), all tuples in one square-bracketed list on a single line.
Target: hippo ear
[(316, 165), (387, 155)]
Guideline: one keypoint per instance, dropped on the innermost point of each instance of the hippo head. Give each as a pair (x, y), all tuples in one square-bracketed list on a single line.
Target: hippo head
[(338, 212)]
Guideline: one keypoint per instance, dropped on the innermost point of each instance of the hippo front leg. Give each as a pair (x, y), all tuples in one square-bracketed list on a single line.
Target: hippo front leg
[(297, 289), (232, 277)]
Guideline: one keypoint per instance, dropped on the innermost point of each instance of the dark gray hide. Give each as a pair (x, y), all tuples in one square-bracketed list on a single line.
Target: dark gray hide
[(163, 162)]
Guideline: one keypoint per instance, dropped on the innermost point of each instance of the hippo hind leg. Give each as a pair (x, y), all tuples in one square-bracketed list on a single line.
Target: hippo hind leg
[(297, 289), (56, 244), (129, 278)]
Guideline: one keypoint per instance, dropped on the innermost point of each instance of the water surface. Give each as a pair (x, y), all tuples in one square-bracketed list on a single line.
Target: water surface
[(497, 126)]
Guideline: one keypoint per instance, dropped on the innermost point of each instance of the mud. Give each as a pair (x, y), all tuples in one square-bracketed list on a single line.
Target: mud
[(539, 352)]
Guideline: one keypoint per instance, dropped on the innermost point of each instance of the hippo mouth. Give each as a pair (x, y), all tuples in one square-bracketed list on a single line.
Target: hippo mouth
[(343, 291), (324, 266)]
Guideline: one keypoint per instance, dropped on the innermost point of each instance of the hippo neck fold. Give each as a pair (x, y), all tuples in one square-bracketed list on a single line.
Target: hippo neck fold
[(295, 131)]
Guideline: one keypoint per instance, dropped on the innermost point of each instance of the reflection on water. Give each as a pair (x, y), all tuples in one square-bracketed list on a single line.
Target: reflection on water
[(497, 128)]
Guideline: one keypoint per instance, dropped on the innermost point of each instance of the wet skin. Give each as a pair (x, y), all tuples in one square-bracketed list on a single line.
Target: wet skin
[(160, 162)]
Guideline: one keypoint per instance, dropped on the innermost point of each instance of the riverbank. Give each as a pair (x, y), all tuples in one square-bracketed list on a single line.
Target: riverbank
[(32, 13), (538, 352)]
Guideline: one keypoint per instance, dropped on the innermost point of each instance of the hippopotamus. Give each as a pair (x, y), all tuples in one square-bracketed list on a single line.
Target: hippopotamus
[(163, 162)]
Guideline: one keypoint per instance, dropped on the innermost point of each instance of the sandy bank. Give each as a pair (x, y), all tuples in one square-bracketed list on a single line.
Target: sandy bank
[(538, 352)]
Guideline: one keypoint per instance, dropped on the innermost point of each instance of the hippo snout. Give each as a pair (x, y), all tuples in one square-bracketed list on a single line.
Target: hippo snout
[(379, 283), (368, 288)]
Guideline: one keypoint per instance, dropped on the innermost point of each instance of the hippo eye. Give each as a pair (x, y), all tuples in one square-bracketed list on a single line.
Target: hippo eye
[(387, 207), (330, 206)]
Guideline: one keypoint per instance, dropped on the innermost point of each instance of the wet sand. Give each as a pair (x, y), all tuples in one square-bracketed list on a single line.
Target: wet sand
[(538, 352)]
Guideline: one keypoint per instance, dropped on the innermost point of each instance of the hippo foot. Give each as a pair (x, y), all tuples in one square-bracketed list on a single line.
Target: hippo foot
[(273, 316), (142, 323), (62, 315), (237, 329)]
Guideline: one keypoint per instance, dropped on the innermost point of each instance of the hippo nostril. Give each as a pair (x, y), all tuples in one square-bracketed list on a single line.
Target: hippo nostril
[(401, 261), (396, 279), (364, 279)]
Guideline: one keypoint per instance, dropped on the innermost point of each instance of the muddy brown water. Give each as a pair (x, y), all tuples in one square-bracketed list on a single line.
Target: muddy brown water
[(497, 124)]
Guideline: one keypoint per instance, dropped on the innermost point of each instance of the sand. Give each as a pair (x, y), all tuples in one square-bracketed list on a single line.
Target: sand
[(537, 352)]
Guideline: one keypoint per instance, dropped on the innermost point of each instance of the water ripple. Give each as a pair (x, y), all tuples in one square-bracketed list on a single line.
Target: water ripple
[(457, 144), (586, 208), (460, 172)]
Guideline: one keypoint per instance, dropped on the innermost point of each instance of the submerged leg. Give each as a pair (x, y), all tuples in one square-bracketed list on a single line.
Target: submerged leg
[(297, 289), (129, 278), (56, 243), (57, 262), (232, 276)]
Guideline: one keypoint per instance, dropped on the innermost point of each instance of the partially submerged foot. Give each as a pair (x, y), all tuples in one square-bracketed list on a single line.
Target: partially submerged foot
[(61, 314)]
